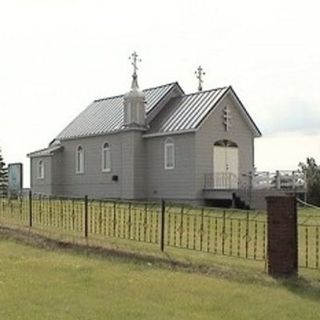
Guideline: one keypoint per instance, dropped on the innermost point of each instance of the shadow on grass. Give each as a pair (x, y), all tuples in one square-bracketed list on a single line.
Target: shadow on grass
[(237, 272), (303, 287)]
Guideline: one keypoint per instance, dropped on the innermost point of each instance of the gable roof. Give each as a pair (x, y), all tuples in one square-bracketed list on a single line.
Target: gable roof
[(182, 114), (186, 113), (106, 115)]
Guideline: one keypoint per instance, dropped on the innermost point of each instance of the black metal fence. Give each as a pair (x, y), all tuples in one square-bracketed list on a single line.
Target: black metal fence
[(309, 239), (225, 232), (234, 233)]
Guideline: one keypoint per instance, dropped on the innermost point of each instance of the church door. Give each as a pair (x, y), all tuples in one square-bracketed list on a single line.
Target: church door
[(225, 165)]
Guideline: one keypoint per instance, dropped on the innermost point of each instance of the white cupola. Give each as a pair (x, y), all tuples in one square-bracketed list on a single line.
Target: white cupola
[(134, 100)]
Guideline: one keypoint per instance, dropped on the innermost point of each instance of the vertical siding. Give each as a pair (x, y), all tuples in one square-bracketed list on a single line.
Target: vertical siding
[(213, 130), (178, 183)]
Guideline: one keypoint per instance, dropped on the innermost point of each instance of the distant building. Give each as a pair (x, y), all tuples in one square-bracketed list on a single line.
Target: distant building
[(151, 144)]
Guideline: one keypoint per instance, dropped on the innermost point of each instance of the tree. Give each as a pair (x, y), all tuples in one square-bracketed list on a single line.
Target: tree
[(312, 173), (3, 176)]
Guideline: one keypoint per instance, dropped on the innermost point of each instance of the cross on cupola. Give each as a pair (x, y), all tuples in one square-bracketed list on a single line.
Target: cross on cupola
[(200, 73), (134, 57)]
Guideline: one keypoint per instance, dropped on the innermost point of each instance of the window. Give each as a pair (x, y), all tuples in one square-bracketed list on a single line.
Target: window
[(79, 160), (40, 170), (169, 160), (106, 157)]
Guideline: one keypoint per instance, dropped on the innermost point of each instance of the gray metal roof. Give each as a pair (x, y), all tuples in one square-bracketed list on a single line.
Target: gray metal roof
[(187, 112), (181, 114), (45, 152), (106, 115)]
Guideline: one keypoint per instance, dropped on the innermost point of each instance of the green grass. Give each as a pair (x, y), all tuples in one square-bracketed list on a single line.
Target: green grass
[(65, 284)]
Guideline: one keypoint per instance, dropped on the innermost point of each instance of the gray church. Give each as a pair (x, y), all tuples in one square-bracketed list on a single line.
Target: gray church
[(157, 143)]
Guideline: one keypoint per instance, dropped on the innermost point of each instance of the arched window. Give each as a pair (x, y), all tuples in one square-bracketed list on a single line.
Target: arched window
[(106, 157), (79, 160), (169, 158), (40, 170)]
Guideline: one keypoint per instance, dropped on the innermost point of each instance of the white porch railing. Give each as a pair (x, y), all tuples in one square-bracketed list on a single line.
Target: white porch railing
[(279, 180), (220, 180)]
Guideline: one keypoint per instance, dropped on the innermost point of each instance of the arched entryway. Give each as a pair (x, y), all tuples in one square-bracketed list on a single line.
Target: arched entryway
[(225, 165)]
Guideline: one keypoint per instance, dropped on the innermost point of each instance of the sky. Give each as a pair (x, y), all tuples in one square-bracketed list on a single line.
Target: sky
[(57, 56)]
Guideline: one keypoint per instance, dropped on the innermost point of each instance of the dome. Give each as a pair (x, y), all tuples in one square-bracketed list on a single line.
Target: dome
[(134, 93)]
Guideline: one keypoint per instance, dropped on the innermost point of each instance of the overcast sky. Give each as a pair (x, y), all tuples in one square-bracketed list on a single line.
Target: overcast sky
[(58, 55)]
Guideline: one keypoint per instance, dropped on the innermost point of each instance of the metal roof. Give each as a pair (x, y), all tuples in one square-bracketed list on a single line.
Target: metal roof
[(181, 114), (187, 112), (45, 152), (106, 115)]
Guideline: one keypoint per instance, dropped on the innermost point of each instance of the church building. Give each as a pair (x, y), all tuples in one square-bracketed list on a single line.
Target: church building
[(156, 143)]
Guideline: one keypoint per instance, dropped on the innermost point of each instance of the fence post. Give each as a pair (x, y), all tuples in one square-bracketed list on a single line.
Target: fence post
[(293, 180), (223, 234), (30, 208), (201, 229), (86, 216), (163, 210), (278, 180), (282, 236), (114, 217), (247, 234)]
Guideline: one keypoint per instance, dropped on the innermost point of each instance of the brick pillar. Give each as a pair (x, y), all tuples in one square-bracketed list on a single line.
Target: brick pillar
[(282, 236)]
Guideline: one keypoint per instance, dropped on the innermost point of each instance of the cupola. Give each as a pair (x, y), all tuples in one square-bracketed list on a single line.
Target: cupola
[(134, 100)]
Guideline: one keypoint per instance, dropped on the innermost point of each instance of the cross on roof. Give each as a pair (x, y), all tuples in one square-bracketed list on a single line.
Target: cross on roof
[(134, 57), (227, 118), (200, 73)]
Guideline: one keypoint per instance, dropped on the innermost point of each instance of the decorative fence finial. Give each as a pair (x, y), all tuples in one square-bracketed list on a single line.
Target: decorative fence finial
[(200, 73)]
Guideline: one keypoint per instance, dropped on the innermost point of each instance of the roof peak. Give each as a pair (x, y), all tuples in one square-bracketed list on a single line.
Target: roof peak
[(147, 89), (165, 85), (205, 91)]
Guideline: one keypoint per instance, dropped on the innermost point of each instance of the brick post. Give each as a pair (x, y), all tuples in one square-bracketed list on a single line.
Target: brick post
[(282, 236)]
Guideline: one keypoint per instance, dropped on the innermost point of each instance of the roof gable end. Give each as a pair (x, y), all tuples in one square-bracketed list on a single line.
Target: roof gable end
[(244, 113)]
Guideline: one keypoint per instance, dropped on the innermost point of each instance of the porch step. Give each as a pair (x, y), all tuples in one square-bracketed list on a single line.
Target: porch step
[(225, 198)]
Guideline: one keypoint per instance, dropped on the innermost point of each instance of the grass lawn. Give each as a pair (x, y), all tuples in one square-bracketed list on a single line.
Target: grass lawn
[(65, 284)]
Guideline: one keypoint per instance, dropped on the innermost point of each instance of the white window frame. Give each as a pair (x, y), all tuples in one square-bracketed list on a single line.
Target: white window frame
[(40, 169), (169, 144), (79, 160), (105, 153)]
